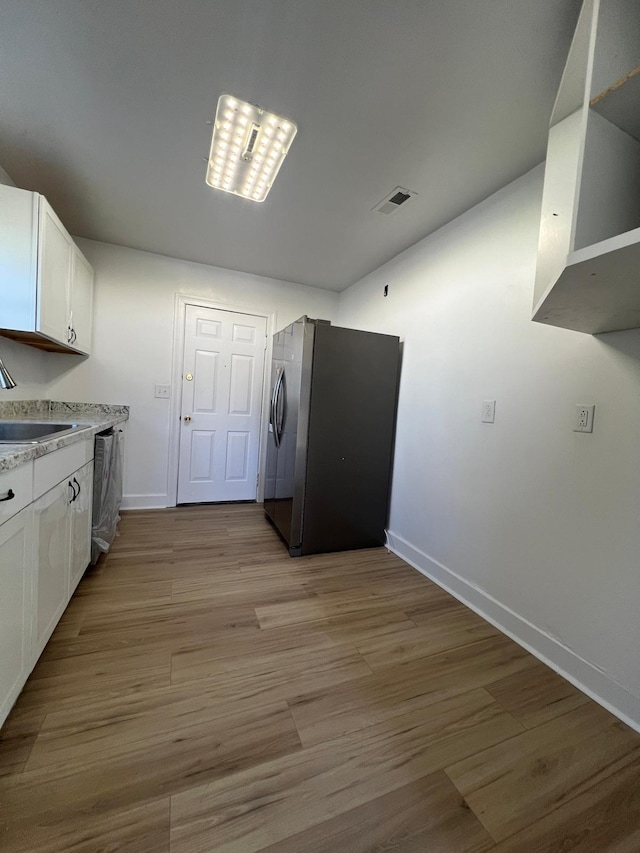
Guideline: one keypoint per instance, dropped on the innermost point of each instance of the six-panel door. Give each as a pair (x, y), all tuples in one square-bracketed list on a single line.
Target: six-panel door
[(223, 365)]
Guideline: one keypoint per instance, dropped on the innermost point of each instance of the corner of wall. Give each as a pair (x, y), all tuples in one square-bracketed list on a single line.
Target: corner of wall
[(6, 179)]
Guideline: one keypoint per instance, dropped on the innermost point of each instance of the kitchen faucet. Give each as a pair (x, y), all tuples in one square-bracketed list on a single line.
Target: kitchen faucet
[(6, 380)]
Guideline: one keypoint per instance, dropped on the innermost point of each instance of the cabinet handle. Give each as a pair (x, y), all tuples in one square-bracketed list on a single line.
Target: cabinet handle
[(78, 485), (9, 496), (74, 337), (73, 492)]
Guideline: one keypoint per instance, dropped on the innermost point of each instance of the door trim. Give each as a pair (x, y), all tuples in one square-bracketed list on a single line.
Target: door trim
[(179, 314)]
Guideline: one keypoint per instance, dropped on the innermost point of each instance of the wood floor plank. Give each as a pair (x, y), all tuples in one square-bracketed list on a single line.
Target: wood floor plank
[(425, 816), (604, 817), (110, 721), (178, 635), (142, 829), (220, 651), (444, 631), (77, 741), (195, 755), (322, 715), (259, 593), (18, 736), (90, 602), (510, 786), (278, 799), (355, 627), (72, 680), (325, 607), (158, 618), (537, 696), (292, 675)]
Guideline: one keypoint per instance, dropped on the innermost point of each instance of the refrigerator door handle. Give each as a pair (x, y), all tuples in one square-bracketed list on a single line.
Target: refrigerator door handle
[(273, 395), (280, 407), (273, 415)]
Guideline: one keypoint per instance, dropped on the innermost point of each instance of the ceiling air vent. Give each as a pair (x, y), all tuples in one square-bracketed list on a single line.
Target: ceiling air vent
[(394, 201)]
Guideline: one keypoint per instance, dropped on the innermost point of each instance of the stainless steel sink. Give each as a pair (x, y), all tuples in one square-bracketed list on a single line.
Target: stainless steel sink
[(16, 432)]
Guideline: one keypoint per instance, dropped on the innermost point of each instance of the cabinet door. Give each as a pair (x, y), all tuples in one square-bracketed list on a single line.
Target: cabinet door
[(81, 302), (81, 525), (18, 258), (54, 275), (16, 568), (52, 541)]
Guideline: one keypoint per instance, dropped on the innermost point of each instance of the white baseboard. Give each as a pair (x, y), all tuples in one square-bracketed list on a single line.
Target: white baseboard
[(584, 675), (144, 501)]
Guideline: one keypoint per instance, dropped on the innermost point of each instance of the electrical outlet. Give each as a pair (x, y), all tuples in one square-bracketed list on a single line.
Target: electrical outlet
[(163, 391), (584, 419), (488, 411)]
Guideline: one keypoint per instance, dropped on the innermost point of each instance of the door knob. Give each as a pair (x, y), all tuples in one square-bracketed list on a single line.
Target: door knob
[(187, 419)]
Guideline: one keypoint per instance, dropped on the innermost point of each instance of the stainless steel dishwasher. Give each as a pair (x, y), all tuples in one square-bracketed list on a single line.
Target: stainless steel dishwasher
[(107, 491)]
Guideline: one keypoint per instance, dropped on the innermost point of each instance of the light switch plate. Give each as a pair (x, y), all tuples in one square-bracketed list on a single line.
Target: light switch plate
[(163, 391), (488, 411)]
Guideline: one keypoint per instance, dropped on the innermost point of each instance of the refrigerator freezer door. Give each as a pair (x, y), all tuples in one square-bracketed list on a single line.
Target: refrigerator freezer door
[(287, 411), (282, 439), (272, 450)]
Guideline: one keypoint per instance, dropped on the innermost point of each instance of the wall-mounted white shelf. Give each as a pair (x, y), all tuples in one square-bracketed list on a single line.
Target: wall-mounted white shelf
[(588, 270), (599, 289), (621, 103)]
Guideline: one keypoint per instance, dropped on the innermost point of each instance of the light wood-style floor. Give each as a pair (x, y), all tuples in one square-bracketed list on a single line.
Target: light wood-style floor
[(205, 692)]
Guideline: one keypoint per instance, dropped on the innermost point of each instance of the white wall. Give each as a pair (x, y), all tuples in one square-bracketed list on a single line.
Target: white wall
[(132, 344), (6, 178), (28, 367), (529, 522)]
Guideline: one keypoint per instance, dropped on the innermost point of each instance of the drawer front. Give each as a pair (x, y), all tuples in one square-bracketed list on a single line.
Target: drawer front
[(19, 483), (51, 469)]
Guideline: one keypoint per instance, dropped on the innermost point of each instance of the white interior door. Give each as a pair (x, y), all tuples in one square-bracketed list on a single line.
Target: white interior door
[(222, 373)]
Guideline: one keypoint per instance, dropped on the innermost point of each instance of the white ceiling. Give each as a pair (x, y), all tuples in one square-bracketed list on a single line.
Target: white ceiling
[(104, 104)]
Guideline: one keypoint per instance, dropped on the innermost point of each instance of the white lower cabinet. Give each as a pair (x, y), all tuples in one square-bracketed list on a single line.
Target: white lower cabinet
[(63, 548), (45, 548), (16, 577), (52, 540), (80, 525)]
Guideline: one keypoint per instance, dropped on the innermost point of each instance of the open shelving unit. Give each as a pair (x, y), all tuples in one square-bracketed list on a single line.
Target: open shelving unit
[(588, 271)]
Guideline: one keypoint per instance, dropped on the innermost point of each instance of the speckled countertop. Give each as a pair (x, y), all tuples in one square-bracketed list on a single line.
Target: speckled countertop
[(91, 418)]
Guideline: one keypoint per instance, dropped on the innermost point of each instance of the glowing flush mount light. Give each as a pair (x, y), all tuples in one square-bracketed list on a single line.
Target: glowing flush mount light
[(247, 148)]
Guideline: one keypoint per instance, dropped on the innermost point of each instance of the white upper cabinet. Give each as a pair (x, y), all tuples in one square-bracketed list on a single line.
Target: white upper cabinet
[(46, 283), (589, 247), (80, 302), (55, 256)]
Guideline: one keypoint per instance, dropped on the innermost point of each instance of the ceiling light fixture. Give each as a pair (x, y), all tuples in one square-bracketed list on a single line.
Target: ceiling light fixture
[(249, 167)]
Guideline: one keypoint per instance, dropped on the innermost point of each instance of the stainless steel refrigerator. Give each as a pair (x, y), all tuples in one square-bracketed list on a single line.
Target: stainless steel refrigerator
[(330, 441)]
